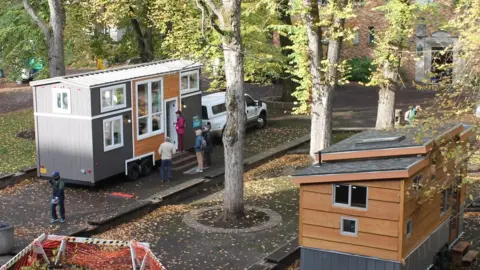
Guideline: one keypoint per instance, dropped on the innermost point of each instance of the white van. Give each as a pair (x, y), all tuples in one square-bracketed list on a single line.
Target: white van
[(215, 112)]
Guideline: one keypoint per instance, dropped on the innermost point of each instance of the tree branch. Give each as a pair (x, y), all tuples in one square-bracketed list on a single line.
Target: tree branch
[(203, 7), (41, 23), (213, 7)]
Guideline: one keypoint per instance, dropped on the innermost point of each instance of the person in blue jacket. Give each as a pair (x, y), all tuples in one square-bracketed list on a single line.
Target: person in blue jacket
[(58, 197)]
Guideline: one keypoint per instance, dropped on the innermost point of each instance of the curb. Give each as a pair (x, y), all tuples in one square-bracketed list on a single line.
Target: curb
[(280, 258), (10, 179)]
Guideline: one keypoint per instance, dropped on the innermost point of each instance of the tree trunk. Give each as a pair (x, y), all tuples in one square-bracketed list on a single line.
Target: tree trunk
[(288, 84), (386, 107), (53, 33), (233, 138), (56, 54), (386, 98)]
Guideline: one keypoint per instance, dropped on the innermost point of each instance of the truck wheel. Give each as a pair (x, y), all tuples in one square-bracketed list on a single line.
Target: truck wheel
[(146, 167), (133, 171), (262, 120)]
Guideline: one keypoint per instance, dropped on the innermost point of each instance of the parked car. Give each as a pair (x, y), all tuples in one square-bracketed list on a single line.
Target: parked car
[(214, 111)]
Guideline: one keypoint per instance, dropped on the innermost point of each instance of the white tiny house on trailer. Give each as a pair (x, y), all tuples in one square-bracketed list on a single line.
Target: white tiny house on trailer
[(95, 125)]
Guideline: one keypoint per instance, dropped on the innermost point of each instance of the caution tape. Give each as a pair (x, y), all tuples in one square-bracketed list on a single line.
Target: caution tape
[(22, 253)]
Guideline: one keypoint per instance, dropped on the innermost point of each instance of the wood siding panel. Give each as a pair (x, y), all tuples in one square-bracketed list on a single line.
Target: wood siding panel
[(425, 219), (363, 239), (376, 209), (365, 251), (171, 89), (367, 225)]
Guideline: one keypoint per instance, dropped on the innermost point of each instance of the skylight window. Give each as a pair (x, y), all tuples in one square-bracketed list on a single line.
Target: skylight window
[(381, 140)]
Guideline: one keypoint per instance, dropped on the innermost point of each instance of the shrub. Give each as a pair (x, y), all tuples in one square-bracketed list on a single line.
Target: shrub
[(360, 69)]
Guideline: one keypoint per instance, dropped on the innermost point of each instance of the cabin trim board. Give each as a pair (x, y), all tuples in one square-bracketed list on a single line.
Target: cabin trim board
[(401, 223), (81, 117)]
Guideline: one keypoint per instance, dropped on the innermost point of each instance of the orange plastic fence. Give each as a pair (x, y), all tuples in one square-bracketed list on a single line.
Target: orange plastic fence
[(92, 256)]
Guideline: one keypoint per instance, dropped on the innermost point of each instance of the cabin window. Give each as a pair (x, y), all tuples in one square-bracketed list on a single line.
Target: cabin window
[(112, 133), (350, 196), (348, 226), (416, 182), (409, 228), (61, 100), (356, 38), (190, 82), (445, 203), (113, 98), (149, 109), (371, 35)]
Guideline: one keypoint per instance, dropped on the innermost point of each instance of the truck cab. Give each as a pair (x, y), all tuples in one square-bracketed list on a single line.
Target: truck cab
[(214, 111)]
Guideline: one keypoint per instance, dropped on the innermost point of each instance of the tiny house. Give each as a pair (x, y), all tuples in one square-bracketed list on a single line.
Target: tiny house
[(361, 206), (95, 125)]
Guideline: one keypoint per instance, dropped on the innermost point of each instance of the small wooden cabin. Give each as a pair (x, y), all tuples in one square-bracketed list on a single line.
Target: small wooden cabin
[(361, 205), (95, 125)]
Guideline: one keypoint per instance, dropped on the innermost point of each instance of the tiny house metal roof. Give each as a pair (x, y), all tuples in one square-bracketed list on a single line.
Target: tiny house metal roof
[(125, 73)]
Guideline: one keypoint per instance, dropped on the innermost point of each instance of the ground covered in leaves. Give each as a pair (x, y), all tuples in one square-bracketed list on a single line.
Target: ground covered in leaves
[(181, 247), (214, 218), (16, 152)]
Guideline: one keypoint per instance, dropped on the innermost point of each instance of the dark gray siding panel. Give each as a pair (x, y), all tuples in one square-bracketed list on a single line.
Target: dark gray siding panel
[(316, 259), (65, 145), (422, 257), (79, 99), (111, 162), (95, 98), (192, 106)]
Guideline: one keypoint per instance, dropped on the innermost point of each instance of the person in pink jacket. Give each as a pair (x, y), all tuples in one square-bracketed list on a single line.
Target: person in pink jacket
[(180, 128)]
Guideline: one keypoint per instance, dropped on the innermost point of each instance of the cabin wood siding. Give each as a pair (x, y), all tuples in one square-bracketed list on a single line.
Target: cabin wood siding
[(378, 225), (79, 99), (426, 217), (171, 89), (326, 260)]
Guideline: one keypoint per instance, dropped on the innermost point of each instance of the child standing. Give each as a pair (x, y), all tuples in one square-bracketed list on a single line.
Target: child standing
[(58, 197)]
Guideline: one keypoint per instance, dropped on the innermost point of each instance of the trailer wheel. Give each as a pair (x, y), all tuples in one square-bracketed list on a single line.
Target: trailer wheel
[(146, 167), (133, 171)]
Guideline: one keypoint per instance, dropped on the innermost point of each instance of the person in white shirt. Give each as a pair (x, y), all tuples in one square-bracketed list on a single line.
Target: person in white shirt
[(166, 151)]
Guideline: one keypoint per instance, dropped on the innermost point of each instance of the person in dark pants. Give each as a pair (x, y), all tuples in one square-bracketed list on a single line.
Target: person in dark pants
[(209, 149), (58, 197), (166, 151)]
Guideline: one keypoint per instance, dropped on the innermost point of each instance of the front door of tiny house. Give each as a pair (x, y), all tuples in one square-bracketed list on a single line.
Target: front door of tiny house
[(170, 119)]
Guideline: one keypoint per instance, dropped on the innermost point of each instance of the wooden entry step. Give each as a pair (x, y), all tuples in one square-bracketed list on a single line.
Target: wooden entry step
[(469, 258), (458, 251)]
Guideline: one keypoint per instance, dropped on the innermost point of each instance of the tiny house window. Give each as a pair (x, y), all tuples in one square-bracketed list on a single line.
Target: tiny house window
[(112, 133), (61, 100), (190, 82), (113, 98), (356, 38), (348, 226), (371, 35), (444, 203), (149, 109), (350, 196), (409, 228)]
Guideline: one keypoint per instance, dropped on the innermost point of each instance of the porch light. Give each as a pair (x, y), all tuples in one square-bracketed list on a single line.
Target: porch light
[(127, 119)]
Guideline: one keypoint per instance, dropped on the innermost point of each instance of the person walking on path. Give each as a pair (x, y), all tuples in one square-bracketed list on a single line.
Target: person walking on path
[(412, 113), (209, 148), (58, 197), (166, 151), (180, 128), (200, 145)]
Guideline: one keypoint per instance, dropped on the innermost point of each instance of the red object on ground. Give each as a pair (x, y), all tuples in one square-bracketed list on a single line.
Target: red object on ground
[(119, 194)]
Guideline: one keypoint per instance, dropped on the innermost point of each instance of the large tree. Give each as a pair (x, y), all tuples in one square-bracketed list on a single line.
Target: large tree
[(53, 33), (228, 16), (400, 17), (324, 70)]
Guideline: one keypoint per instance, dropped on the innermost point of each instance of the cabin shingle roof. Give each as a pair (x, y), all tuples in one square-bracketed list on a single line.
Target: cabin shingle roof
[(360, 166)]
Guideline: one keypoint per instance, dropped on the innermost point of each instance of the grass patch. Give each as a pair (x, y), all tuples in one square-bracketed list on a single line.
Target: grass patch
[(16, 153)]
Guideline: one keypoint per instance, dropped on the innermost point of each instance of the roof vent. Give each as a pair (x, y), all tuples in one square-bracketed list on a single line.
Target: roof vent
[(380, 140)]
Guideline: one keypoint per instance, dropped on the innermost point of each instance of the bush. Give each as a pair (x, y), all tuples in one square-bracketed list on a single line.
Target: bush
[(360, 69)]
